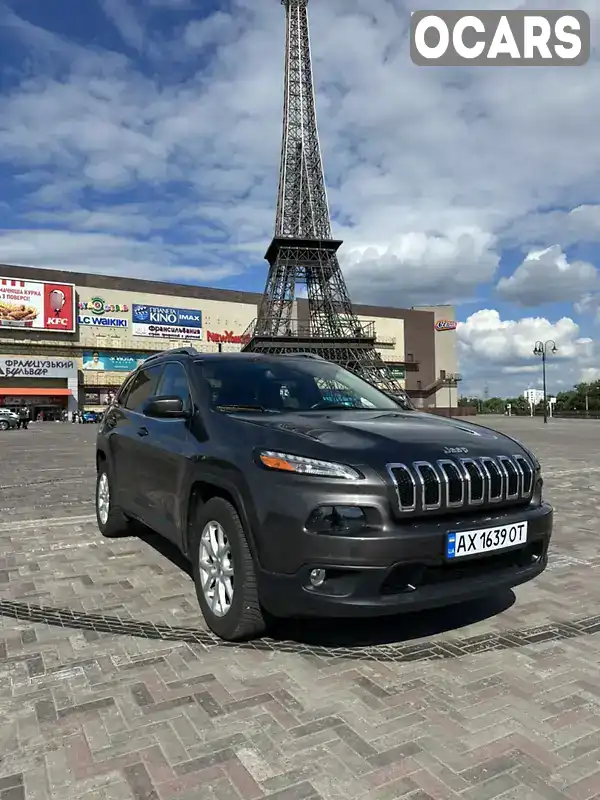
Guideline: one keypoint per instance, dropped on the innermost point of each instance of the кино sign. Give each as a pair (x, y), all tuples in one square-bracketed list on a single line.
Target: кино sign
[(38, 305), (162, 322), (18, 367), (446, 325)]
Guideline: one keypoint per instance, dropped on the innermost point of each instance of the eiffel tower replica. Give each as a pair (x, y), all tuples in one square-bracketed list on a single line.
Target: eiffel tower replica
[(303, 251)]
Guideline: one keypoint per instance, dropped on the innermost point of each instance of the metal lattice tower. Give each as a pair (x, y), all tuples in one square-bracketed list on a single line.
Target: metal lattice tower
[(302, 251)]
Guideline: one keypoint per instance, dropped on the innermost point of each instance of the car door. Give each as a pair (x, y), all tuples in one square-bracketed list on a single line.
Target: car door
[(168, 448), (129, 448)]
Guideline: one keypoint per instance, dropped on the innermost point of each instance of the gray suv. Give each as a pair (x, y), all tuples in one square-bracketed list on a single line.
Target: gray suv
[(295, 488)]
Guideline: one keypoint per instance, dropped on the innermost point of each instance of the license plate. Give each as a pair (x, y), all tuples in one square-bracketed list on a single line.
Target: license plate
[(485, 540)]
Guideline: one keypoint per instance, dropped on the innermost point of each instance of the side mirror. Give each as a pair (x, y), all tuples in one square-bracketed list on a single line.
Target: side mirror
[(166, 407)]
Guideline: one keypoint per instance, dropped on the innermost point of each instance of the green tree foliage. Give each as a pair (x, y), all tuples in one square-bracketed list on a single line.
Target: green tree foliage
[(575, 400), (572, 401)]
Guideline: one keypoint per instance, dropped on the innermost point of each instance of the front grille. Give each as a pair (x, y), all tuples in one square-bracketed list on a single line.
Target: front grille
[(462, 484)]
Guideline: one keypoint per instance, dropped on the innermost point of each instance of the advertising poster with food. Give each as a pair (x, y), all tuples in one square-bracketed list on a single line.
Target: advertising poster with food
[(37, 305)]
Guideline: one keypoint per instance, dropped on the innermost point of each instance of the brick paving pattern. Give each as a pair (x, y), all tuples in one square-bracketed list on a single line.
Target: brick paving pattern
[(111, 688)]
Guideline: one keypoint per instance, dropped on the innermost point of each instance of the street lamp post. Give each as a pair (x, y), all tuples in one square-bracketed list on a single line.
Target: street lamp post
[(541, 349)]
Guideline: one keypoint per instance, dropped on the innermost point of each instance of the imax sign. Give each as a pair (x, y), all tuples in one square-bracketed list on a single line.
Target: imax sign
[(163, 315)]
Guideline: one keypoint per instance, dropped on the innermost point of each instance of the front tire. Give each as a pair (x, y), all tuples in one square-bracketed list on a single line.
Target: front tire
[(224, 573), (3, 425), (111, 520)]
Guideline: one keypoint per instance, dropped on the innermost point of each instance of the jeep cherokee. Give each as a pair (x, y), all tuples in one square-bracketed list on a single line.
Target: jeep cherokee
[(295, 488)]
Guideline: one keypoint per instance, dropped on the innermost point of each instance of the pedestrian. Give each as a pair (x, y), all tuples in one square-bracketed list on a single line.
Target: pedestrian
[(23, 417)]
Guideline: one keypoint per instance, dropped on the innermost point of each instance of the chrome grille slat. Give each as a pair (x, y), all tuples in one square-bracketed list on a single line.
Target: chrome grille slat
[(490, 467), (462, 483), (510, 468), (423, 469), (399, 473), (527, 473), (446, 465), (472, 498)]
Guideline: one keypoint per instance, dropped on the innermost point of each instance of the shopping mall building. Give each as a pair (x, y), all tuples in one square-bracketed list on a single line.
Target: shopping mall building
[(68, 340)]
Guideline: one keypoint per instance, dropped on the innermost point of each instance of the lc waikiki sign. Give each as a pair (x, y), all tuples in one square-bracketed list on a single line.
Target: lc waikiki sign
[(445, 325), (96, 308)]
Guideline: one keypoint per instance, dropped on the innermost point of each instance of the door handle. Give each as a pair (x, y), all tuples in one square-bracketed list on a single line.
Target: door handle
[(142, 431)]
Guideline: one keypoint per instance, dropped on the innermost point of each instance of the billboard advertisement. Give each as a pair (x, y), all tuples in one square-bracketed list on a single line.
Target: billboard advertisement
[(38, 305), (95, 360), (161, 322), (99, 397)]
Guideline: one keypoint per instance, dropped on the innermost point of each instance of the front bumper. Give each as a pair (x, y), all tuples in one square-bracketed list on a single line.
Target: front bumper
[(406, 570)]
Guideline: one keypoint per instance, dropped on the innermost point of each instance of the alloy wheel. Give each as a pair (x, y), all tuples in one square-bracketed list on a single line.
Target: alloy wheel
[(216, 568), (103, 498)]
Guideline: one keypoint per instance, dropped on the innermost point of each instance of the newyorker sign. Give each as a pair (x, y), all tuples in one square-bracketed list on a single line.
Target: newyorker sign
[(228, 337), (15, 367)]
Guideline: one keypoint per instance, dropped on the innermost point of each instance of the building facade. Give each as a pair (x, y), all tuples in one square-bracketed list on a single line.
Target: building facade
[(533, 396), (68, 340)]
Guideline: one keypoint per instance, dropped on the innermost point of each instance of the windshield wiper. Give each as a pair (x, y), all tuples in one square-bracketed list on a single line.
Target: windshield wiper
[(242, 407)]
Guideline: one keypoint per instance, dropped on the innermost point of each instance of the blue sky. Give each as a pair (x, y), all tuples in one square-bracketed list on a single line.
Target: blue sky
[(141, 137)]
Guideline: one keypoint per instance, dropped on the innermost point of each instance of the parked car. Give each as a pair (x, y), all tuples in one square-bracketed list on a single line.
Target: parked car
[(290, 503), (8, 419), (90, 416)]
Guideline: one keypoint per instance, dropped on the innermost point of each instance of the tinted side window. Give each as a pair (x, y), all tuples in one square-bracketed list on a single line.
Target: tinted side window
[(142, 388), (174, 382), (124, 390)]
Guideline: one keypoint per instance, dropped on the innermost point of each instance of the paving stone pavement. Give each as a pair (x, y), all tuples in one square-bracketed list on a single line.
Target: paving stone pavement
[(111, 688)]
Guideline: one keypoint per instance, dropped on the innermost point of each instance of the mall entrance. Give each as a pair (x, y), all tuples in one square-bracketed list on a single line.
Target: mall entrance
[(42, 407)]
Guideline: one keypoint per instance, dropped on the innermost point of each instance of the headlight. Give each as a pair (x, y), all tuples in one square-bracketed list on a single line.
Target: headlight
[(285, 462)]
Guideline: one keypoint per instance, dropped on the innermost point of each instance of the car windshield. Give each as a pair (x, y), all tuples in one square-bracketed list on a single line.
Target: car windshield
[(294, 384)]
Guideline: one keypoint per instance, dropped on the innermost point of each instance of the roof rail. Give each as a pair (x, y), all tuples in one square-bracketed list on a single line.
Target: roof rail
[(305, 354), (187, 351)]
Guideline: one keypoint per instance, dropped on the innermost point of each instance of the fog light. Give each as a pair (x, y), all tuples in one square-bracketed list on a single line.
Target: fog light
[(317, 577), (337, 519)]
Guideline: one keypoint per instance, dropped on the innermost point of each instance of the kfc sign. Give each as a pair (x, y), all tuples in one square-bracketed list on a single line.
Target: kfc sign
[(224, 338), (37, 305)]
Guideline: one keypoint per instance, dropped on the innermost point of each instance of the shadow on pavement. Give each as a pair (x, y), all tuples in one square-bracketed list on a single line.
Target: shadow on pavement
[(396, 629), (348, 633)]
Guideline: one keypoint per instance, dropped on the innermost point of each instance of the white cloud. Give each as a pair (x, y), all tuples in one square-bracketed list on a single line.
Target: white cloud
[(126, 21), (410, 162), (110, 254), (492, 350), (431, 173), (546, 276), (415, 266)]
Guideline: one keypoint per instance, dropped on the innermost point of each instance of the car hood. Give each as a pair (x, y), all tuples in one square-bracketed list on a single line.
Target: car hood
[(379, 433)]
